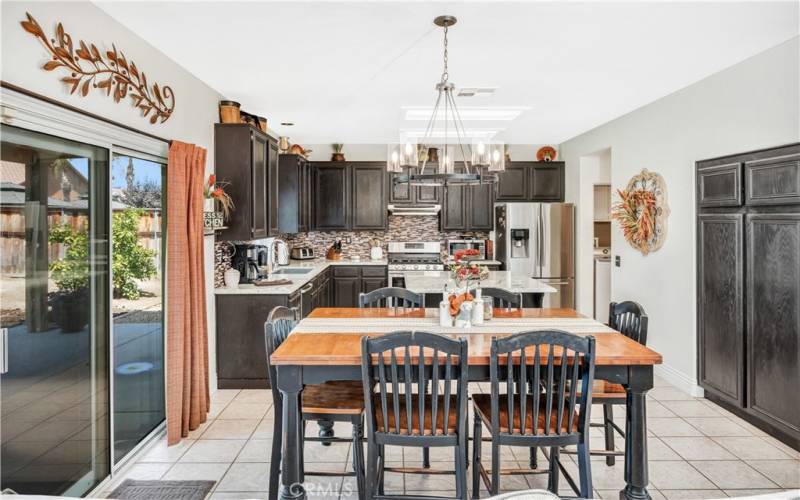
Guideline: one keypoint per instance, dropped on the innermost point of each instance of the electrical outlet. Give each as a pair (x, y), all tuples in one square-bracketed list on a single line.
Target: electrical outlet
[(617, 260), (348, 240)]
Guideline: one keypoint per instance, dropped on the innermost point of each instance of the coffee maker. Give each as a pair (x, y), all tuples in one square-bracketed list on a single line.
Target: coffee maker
[(248, 259)]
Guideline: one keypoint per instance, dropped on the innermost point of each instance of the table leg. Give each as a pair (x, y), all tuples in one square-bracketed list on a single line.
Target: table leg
[(640, 380), (290, 384)]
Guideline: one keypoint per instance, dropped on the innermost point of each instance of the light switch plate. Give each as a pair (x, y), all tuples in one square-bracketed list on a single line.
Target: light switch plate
[(617, 260)]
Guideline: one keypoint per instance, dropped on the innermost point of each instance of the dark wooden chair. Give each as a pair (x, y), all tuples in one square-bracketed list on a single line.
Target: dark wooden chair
[(390, 297), (402, 412), (331, 402), (503, 298), (536, 409), (629, 319)]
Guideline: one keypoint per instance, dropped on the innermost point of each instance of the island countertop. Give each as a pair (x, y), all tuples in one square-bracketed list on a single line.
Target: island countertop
[(434, 281)]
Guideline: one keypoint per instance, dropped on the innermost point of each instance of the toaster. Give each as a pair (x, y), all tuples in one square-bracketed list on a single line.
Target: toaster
[(302, 253)]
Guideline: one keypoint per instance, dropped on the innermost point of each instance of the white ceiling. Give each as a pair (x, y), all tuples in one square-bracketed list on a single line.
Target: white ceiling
[(346, 71)]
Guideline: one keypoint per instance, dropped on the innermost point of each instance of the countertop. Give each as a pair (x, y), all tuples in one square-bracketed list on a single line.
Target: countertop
[(434, 281), (317, 266)]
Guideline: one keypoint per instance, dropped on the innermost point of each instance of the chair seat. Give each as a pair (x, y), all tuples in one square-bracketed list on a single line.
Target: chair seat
[(415, 421), (334, 398), (483, 404)]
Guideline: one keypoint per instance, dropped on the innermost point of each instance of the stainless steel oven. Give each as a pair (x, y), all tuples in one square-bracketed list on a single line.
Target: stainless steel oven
[(455, 245), (412, 256)]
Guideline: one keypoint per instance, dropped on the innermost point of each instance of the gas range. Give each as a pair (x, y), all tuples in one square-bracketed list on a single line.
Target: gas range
[(415, 256)]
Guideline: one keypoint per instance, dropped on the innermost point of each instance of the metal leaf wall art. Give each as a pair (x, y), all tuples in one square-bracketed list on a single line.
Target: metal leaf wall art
[(112, 72)]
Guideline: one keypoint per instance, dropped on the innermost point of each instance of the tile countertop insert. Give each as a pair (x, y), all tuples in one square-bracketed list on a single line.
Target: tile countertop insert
[(434, 281), (298, 280)]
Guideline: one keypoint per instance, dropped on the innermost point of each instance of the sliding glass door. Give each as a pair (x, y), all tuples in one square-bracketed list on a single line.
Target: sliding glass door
[(138, 229), (54, 313)]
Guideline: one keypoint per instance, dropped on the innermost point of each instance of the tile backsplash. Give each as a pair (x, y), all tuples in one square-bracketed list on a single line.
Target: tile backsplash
[(401, 228)]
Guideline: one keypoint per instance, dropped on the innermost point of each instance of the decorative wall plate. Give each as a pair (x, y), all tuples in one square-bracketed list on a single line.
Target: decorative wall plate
[(89, 68), (642, 211)]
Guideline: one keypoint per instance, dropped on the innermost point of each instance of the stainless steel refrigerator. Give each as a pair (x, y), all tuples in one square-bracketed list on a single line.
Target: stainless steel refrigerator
[(538, 239)]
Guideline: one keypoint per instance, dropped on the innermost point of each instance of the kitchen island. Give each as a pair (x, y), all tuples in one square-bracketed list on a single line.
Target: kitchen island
[(431, 284)]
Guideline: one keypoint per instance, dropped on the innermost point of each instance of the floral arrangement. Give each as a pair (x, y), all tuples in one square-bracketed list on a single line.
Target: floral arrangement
[(636, 214), (462, 269), (214, 190)]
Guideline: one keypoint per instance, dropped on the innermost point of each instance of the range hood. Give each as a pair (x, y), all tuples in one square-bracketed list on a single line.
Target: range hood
[(414, 209)]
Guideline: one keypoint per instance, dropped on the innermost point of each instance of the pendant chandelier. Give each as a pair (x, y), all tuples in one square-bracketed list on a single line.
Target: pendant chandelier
[(479, 160)]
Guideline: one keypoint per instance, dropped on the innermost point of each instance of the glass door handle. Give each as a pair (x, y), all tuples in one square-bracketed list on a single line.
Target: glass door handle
[(4, 348)]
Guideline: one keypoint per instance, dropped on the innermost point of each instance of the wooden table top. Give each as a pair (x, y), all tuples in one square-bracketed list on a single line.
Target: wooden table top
[(337, 348)]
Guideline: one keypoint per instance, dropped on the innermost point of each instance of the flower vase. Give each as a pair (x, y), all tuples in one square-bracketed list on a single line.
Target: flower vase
[(212, 218)]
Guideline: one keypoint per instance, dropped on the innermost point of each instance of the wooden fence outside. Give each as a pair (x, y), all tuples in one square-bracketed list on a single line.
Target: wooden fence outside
[(12, 236)]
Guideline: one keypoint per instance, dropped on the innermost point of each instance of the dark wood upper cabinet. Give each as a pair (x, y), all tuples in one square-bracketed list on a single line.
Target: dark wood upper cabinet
[(241, 159), (273, 187), (399, 194), (720, 317), (293, 193), (512, 185), (467, 208), (535, 181), (331, 188), (453, 216), (368, 181), (773, 318), (349, 196), (405, 194), (773, 181), (481, 207), (719, 185), (546, 181)]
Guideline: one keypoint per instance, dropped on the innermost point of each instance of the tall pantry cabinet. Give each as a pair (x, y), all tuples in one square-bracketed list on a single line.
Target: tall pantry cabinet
[(748, 286)]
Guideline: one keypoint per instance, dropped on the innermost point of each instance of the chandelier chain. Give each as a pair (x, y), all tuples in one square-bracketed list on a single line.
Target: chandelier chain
[(445, 74)]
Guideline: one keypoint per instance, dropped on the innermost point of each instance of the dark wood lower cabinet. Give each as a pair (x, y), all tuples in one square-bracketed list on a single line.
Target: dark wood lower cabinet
[(349, 281), (240, 339), (720, 321), (773, 318)]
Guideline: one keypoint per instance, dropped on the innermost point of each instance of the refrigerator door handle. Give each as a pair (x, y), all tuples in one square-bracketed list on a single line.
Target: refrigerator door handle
[(542, 233)]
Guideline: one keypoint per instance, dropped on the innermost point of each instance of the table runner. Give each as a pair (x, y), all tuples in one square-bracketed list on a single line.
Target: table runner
[(431, 324)]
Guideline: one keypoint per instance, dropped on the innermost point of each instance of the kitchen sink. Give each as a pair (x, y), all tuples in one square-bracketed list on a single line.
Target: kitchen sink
[(293, 270)]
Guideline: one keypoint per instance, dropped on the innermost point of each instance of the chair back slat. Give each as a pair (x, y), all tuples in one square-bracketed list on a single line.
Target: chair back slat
[(503, 298), (390, 297), (435, 389), (536, 387), (409, 382), (523, 390), (562, 381), (395, 393), (629, 319), (384, 397), (409, 390), (562, 388), (448, 377), (280, 322), (549, 390)]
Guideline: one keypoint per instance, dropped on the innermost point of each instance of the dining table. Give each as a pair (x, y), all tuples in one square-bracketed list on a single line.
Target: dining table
[(326, 346)]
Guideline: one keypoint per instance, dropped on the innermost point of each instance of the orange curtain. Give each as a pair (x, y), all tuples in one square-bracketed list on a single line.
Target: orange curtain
[(187, 335)]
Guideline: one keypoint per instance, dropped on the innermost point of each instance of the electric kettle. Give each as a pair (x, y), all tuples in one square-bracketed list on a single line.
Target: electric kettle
[(283, 252)]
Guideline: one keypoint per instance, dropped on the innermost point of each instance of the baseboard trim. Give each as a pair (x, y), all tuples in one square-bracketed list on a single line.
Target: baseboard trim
[(679, 379)]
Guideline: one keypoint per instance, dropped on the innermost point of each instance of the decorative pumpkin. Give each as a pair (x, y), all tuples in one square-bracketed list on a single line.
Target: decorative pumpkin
[(546, 153)]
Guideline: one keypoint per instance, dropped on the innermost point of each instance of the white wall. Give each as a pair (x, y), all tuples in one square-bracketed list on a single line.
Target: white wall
[(751, 105), (196, 103), (377, 152)]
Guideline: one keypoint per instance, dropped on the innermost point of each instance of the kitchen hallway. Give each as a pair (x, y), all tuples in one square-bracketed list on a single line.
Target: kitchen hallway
[(697, 450)]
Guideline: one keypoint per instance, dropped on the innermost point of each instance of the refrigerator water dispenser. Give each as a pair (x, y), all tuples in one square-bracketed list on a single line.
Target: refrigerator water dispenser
[(519, 243)]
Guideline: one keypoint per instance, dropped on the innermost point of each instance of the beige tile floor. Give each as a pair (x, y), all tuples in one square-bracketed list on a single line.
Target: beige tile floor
[(696, 449)]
